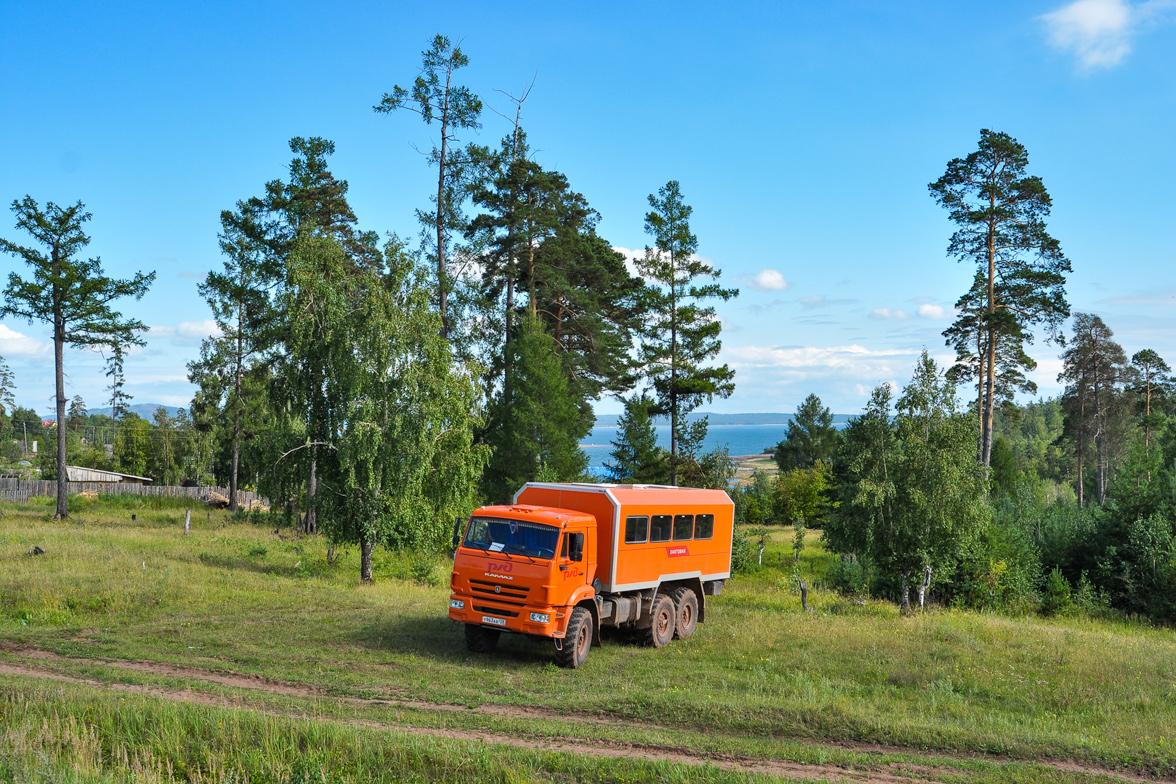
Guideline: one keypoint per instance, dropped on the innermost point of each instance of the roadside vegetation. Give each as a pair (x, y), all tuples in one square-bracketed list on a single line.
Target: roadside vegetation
[(140, 604)]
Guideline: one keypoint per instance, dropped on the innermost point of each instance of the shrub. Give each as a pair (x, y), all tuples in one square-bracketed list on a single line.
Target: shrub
[(1057, 594)]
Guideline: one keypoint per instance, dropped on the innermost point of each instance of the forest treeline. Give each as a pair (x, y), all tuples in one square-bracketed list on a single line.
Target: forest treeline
[(375, 387)]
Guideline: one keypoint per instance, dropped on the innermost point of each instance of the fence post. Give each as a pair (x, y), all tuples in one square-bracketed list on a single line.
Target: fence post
[(187, 521)]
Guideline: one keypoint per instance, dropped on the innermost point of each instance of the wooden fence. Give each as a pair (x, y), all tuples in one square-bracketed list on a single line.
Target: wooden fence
[(14, 489)]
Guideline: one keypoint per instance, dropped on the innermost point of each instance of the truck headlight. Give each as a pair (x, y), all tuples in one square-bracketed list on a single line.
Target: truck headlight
[(457, 604), (540, 617)]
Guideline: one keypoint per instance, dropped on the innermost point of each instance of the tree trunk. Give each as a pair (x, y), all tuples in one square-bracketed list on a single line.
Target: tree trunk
[(365, 559), (236, 416), (62, 476), (311, 525), (924, 587), (905, 606), (442, 160), (673, 373), (803, 595)]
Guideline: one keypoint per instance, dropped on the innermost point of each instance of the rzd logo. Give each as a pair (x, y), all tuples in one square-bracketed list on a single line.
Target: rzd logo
[(499, 567)]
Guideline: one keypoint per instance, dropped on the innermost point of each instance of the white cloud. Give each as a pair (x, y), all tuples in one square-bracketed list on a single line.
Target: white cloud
[(186, 333), (769, 280), (932, 311), (887, 313), (17, 344), (1099, 33), (853, 358)]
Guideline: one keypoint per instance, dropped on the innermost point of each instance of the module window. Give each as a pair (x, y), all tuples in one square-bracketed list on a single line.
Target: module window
[(636, 529), (660, 527), (704, 526), (683, 527)]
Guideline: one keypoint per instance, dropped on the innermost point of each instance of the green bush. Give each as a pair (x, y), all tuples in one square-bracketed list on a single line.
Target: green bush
[(1057, 594)]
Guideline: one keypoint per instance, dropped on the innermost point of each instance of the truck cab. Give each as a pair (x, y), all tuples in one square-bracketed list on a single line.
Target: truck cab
[(547, 565)]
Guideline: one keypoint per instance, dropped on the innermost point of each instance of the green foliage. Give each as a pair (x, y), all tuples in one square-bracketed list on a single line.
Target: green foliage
[(713, 469), (1057, 594), (132, 445), (912, 492), (392, 418), (803, 494), (637, 459), (535, 425), (811, 436), (745, 547)]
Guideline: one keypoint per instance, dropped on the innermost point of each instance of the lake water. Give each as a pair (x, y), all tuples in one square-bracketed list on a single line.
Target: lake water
[(739, 440)]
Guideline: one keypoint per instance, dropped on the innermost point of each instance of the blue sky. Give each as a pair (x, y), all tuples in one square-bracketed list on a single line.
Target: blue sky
[(804, 135)]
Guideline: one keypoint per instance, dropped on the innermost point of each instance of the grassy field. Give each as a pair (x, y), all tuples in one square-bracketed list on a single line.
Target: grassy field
[(238, 653)]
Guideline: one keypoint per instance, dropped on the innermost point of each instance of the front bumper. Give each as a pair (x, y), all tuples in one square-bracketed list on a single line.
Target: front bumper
[(514, 618)]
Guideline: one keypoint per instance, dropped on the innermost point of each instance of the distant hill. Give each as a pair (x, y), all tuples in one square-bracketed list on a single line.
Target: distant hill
[(610, 420), (145, 410)]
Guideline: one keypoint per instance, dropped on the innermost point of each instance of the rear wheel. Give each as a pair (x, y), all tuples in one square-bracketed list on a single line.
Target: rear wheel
[(576, 641), (661, 631), (686, 612), (479, 639)]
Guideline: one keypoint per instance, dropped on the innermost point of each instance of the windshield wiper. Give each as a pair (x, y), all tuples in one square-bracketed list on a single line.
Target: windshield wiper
[(525, 554)]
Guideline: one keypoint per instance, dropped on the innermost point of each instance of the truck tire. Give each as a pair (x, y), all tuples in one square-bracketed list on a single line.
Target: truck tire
[(577, 640), (663, 622), (685, 612), (479, 639)]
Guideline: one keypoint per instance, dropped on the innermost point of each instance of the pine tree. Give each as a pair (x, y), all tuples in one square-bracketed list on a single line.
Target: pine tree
[(681, 333), (69, 294), (1093, 370), (435, 97), (811, 436), (535, 425), (637, 459), (1000, 213)]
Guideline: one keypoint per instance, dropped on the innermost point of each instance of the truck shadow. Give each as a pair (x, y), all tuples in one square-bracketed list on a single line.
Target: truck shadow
[(441, 639)]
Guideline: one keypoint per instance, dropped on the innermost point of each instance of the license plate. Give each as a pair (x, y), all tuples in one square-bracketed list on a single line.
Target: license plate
[(493, 621)]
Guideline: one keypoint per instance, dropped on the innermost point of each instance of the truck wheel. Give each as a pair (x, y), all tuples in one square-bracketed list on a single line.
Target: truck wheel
[(661, 631), (480, 639), (686, 612), (576, 641)]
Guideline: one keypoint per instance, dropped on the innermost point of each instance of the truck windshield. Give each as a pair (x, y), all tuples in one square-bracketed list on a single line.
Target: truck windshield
[(496, 535)]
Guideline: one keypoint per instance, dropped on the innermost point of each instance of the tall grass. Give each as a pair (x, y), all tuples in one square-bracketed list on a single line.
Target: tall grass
[(78, 734)]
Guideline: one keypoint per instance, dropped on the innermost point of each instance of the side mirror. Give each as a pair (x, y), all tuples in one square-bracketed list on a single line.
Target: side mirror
[(576, 547), (456, 532)]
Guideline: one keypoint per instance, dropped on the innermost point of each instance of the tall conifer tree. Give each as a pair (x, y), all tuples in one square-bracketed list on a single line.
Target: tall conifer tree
[(70, 294), (1000, 213), (681, 333)]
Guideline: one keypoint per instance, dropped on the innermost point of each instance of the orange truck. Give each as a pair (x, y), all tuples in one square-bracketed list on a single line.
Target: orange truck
[(565, 559)]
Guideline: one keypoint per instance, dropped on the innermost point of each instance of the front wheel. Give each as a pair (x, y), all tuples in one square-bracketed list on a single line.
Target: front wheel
[(479, 639), (577, 640)]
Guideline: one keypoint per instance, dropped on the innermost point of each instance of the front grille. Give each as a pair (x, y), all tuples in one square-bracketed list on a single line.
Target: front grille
[(496, 611), (507, 591)]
